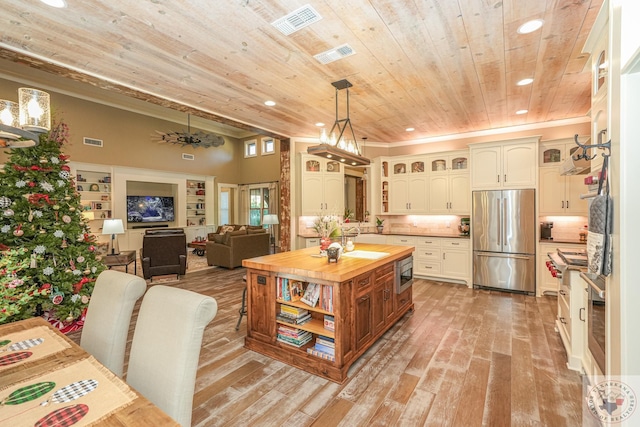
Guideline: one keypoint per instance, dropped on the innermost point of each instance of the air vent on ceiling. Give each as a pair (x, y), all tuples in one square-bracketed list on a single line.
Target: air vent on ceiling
[(186, 156), (300, 18), (92, 141), (335, 54)]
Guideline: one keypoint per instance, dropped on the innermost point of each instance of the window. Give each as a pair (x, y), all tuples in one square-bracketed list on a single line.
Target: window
[(250, 148), (224, 207), (258, 205), (268, 146)]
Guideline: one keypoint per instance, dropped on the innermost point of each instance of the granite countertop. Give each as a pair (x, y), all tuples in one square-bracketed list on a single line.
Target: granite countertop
[(564, 241)]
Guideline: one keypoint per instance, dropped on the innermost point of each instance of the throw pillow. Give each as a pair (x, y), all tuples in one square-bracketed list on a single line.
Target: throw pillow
[(242, 228), (226, 228)]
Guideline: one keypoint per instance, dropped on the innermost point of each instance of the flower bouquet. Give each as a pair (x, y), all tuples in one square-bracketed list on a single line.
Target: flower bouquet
[(326, 226)]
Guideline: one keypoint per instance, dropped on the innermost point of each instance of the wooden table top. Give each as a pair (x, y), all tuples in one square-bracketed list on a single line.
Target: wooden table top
[(306, 262), (138, 412)]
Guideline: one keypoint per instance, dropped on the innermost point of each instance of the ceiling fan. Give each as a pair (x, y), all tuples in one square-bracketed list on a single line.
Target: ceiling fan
[(195, 139)]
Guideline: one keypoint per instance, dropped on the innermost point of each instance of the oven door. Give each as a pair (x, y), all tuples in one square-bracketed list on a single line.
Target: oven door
[(404, 274), (596, 325)]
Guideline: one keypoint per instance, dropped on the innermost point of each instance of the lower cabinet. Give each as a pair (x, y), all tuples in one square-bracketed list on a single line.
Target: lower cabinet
[(571, 321), (443, 258)]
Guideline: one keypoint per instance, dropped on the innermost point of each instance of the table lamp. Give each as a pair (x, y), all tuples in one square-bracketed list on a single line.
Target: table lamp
[(271, 219), (113, 227)]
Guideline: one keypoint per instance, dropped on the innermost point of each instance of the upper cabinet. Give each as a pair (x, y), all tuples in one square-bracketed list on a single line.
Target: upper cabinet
[(322, 186), (511, 164), (449, 183), (559, 195), (408, 186)]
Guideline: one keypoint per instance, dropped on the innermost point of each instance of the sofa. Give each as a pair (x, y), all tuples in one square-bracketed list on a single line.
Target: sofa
[(164, 251), (232, 243)]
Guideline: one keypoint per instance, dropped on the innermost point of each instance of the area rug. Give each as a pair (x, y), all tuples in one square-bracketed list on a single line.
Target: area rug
[(194, 263)]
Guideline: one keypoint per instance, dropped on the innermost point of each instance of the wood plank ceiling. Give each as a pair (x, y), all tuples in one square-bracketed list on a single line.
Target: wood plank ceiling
[(440, 66)]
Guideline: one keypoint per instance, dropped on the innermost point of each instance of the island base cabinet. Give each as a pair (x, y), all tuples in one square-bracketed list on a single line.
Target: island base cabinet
[(353, 305)]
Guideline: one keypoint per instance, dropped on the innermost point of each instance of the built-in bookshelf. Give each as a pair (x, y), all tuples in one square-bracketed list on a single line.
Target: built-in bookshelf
[(304, 315), (196, 202)]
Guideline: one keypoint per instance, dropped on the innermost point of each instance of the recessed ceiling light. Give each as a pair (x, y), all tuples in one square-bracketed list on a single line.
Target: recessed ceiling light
[(410, 129), (269, 103), (55, 3), (319, 124), (525, 82), (530, 26), (522, 111)]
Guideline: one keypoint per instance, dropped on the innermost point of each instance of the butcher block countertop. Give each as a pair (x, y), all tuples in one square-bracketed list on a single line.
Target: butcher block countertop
[(307, 262)]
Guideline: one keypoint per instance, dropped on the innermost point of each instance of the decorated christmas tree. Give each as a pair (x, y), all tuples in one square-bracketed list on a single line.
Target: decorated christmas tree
[(48, 263)]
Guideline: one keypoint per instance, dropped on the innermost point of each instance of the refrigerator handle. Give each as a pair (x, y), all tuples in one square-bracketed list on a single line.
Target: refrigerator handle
[(504, 223), (499, 240)]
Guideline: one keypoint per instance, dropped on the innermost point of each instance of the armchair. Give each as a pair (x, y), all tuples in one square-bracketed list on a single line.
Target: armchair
[(164, 252)]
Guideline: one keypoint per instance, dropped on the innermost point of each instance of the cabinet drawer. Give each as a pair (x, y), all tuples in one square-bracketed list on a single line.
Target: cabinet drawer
[(564, 293), (427, 267), (402, 240), (427, 254), (403, 299), (564, 316), (455, 243), (428, 242), (384, 270), (363, 282)]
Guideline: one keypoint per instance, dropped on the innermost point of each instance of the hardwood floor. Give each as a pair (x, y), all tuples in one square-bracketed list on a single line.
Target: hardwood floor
[(463, 358)]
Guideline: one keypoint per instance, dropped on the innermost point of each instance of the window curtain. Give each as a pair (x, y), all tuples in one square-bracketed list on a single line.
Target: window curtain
[(244, 204)]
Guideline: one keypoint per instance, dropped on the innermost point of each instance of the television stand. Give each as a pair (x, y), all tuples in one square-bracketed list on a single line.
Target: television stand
[(151, 226)]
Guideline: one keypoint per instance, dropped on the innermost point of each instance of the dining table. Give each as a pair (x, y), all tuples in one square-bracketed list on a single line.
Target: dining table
[(47, 379)]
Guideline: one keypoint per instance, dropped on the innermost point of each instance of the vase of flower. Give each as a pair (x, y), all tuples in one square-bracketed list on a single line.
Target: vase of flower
[(324, 243)]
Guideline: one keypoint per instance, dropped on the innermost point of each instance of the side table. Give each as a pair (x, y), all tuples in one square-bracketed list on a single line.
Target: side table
[(124, 258), (199, 247)]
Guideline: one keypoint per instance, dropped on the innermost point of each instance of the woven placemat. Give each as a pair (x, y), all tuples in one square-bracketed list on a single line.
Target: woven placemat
[(25, 341), (85, 392)]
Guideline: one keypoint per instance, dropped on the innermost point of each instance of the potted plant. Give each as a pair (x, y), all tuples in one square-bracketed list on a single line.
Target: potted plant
[(379, 224)]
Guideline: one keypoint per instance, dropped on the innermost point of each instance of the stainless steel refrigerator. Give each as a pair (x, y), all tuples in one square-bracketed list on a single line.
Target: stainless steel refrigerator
[(504, 239)]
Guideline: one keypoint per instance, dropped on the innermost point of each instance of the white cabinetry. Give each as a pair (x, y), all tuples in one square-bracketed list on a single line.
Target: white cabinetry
[(442, 258), (449, 183), (545, 281), (408, 187), (510, 164), (572, 317), (560, 195), (322, 186)]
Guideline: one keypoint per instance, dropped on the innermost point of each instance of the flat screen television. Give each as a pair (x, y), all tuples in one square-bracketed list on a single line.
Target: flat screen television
[(150, 209)]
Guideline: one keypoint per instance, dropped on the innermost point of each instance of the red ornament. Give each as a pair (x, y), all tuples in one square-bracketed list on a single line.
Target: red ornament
[(45, 286), (92, 248), (32, 184), (57, 300)]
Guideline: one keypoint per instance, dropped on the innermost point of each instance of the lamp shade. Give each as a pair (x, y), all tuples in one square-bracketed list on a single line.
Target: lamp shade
[(112, 226), (270, 219), (35, 113)]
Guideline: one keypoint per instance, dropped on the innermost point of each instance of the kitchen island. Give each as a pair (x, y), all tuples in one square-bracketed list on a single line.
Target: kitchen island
[(357, 303)]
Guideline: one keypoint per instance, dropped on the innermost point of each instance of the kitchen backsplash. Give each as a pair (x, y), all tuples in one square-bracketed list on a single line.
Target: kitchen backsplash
[(401, 224), (566, 227)]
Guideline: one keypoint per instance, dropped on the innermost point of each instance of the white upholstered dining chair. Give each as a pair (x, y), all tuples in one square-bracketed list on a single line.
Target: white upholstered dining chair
[(106, 326), (166, 347)]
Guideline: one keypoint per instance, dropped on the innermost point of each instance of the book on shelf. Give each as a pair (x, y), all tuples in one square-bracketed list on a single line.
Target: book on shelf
[(326, 302), (329, 342), (293, 320), (320, 354), (293, 311), (296, 290), (311, 294), (293, 336), (325, 349), (329, 323)]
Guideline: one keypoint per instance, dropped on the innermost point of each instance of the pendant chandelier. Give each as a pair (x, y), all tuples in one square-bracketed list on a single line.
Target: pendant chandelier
[(335, 145), (22, 123)]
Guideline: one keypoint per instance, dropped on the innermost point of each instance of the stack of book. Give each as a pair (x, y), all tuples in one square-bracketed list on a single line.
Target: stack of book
[(293, 315), (293, 336), (329, 323), (324, 348)]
